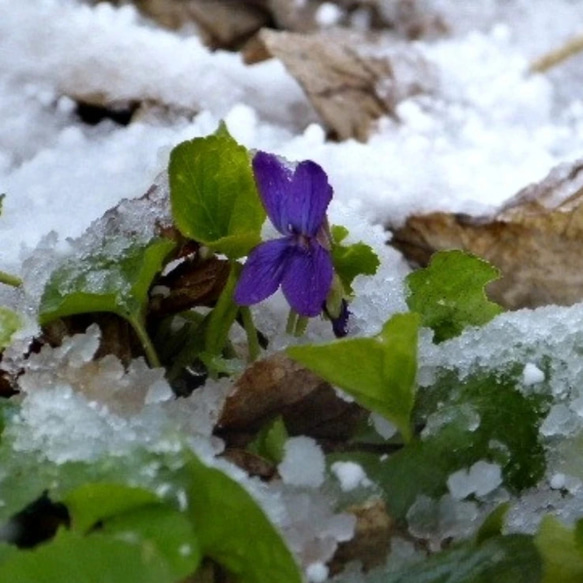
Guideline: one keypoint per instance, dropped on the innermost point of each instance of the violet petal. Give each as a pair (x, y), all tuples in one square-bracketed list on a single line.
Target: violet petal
[(308, 198), (263, 271), (340, 324), (307, 278), (273, 182)]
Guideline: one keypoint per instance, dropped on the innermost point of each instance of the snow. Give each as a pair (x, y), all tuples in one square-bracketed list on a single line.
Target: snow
[(480, 134), (317, 573), (303, 462), (328, 14), (437, 520), (481, 479), (532, 375), (383, 426), (350, 475)]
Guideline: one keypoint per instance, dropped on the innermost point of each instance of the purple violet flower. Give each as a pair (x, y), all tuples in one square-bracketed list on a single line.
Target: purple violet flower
[(340, 322), (300, 261)]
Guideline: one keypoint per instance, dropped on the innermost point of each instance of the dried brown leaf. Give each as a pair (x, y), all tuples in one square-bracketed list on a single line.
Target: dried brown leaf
[(405, 19), (252, 463), (535, 240), (347, 88), (409, 19), (372, 537), (280, 386), (222, 23), (193, 283)]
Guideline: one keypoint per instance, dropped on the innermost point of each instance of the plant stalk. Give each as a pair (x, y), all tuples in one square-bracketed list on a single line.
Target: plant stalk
[(11, 280), (251, 331), (290, 326), (139, 327)]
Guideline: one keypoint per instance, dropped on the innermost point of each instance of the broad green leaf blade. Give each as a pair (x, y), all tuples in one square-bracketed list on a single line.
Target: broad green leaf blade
[(213, 194), (449, 293), (378, 372), (503, 559), (493, 524), (160, 526), (10, 322), (351, 260), (481, 419), (92, 503), (234, 531), (6, 551), (93, 559), (108, 280), (562, 555)]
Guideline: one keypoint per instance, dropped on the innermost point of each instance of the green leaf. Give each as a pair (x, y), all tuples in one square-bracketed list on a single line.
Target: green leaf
[(503, 559), (92, 503), (351, 260), (562, 555), (222, 316), (93, 559), (493, 524), (339, 233), (26, 475), (449, 293), (234, 531), (136, 514), (107, 280), (162, 527), (378, 372), (213, 194), (482, 418), (10, 322), (269, 443), (6, 551)]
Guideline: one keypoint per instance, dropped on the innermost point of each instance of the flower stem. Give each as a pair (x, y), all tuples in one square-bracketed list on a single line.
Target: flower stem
[(11, 280), (139, 327), (251, 331), (290, 326), (301, 325)]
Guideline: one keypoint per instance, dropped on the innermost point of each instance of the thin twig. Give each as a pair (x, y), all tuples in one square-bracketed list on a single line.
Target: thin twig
[(555, 57)]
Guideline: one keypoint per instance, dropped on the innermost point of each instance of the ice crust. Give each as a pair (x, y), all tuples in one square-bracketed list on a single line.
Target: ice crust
[(437, 520), (76, 408)]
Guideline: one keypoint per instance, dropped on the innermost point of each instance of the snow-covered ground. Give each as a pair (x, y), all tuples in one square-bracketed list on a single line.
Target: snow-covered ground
[(486, 129)]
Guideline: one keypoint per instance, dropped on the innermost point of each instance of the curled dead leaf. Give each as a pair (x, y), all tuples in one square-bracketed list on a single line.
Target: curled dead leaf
[(280, 386), (348, 88), (535, 240), (193, 283)]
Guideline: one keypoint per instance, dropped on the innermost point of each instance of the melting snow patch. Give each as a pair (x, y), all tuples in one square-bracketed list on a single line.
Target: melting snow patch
[(317, 573), (560, 421), (481, 479), (350, 475), (532, 375), (303, 463)]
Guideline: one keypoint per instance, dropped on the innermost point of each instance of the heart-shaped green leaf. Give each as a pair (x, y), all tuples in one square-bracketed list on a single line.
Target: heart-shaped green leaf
[(213, 194), (378, 372)]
